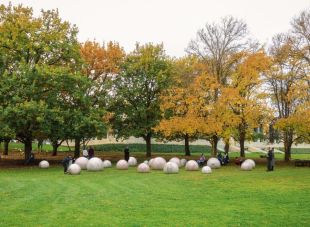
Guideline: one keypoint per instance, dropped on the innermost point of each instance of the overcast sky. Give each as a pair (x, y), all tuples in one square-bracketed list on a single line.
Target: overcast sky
[(173, 22)]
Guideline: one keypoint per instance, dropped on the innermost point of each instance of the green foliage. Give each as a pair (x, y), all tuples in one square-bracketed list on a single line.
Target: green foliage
[(134, 102), (42, 93)]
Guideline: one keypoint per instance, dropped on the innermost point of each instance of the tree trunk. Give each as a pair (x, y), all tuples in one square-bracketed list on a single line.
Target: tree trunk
[(226, 147), (27, 148), (288, 141), (77, 144), (55, 147), (6, 146), (214, 142), (187, 151), (148, 145), (241, 142)]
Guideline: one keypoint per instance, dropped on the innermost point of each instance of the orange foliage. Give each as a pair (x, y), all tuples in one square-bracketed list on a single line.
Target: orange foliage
[(101, 60)]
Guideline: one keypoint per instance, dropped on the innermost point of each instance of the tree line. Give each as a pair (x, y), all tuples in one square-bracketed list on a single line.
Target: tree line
[(55, 88)]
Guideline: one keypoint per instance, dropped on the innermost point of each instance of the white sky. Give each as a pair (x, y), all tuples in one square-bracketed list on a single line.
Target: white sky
[(173, 22)]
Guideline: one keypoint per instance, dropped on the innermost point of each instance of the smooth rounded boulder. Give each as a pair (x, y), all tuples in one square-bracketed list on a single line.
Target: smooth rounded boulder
[(158, 163), (94, 164), (74, 169), (191, 165), (251, 162), (132, 161), (214, 163), (82, 162), (246, 166), (206, 169), (107, 164), (171, 167), (183, 161), (44, 164), (176, 160), (143, 168), (122, 165)]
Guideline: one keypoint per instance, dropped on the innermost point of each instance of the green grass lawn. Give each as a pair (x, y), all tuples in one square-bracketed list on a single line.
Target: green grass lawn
[(227, 197), (45, 147)]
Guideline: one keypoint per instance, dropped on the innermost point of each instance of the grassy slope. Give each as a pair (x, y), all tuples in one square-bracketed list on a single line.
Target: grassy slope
[(227, 197)]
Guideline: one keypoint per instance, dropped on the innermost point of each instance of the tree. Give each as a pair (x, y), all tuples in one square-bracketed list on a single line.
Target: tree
[(301, 31), (288, 83), (241, 103), (31, 46), (178, 121), (134, 103), (215, 44), (100, 64)]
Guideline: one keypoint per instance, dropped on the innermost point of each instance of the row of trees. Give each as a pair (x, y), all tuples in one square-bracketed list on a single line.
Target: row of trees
[(53, 87)]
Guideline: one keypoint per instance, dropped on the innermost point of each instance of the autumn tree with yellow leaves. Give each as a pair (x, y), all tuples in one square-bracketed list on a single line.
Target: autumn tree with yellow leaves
[(288, 86), (179, 122), (241, 101)]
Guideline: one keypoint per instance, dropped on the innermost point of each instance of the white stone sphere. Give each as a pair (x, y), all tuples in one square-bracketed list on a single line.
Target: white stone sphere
[(122, 164), (150, 162), (183, 161), (176, 161), (247, 166), (191, 165), (143, 168), (214, 163), (82, 162), (44, 164), (146, 162), (94, 164), (74, 169), (206, 169), (107, 164), (132, 161), (158, 163), (251, 162), (171, 167)]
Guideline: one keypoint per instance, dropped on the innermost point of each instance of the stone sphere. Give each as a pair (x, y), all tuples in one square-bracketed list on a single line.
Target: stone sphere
[(107, 164), (44, 164), (183, 161), (206, 169), (122, 164), (247, 166), (132, 161), (191, 165), (150, 162), (94, 164), (143, 168), (82, 162), (251, 162), (74, 169), (146, 162), (214, 163), (158, 163), (176, 161), (171, 167)]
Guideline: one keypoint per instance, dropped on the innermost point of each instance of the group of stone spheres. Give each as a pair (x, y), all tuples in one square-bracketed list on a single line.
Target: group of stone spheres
[(158, 163)]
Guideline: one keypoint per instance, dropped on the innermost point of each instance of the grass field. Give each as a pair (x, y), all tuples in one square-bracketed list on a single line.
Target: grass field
[(227, 197)]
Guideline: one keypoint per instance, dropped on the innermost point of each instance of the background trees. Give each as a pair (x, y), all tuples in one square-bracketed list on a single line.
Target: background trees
[(52, 87), (215, 44), (242, 101), (288, 87), (179, 122), (134, 101), (41, 85)]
